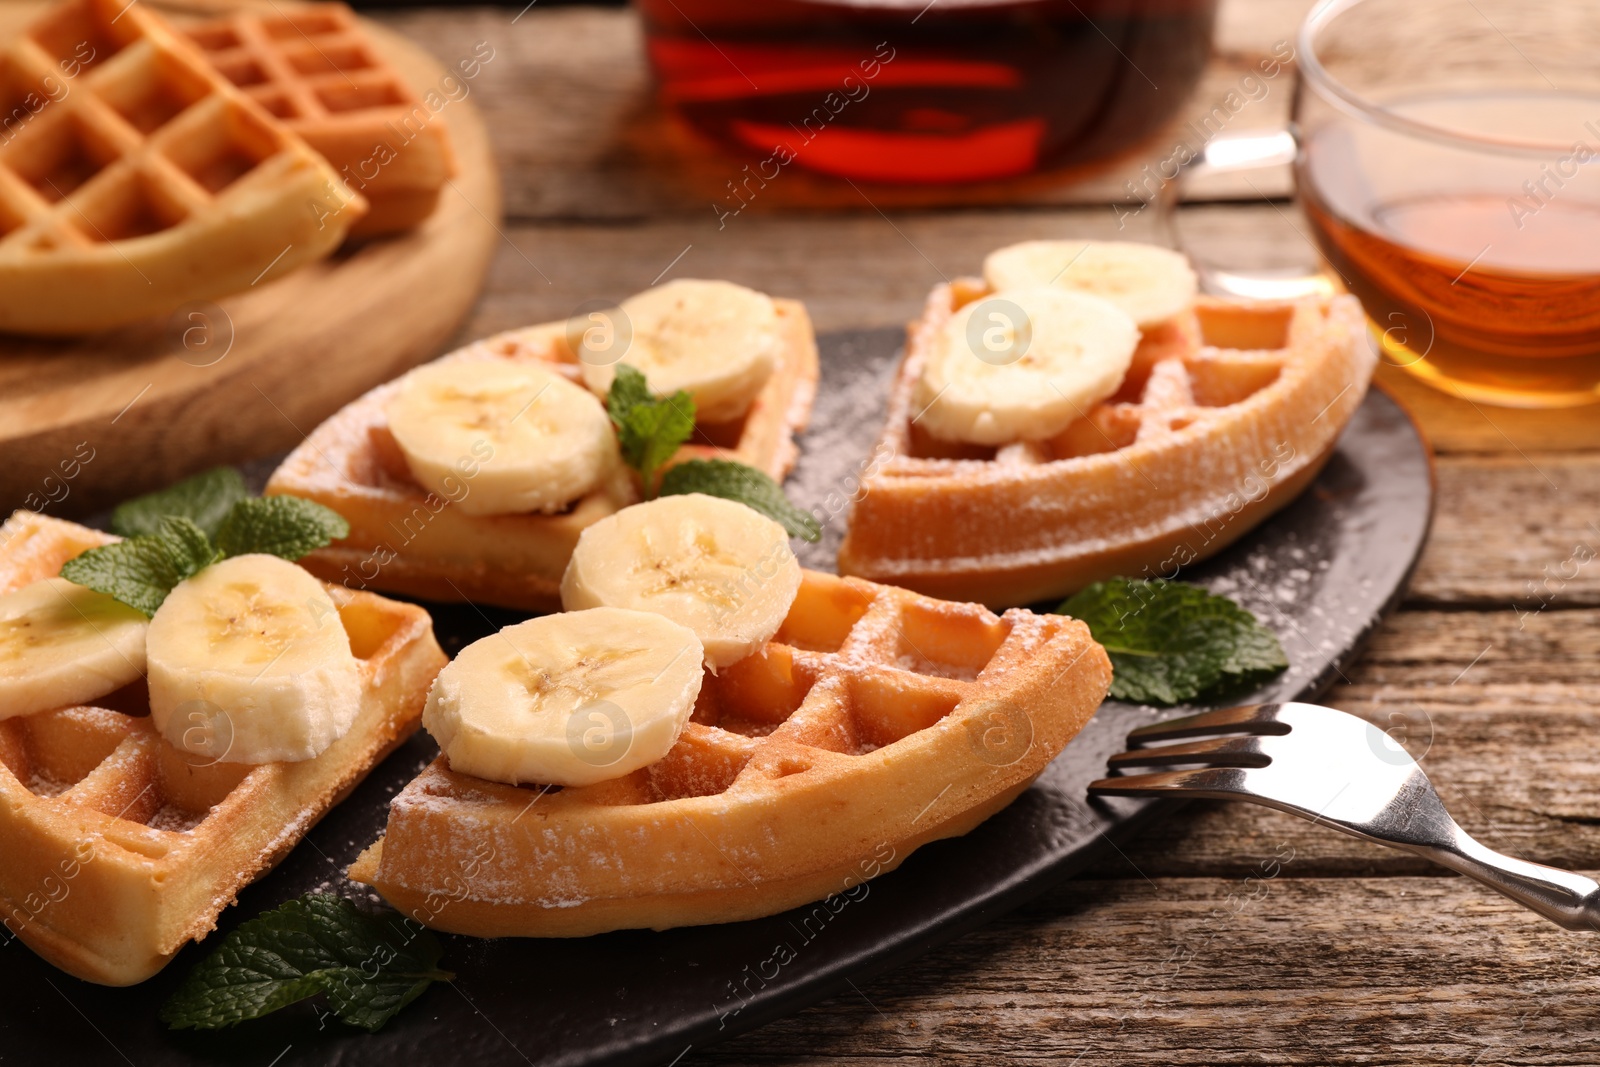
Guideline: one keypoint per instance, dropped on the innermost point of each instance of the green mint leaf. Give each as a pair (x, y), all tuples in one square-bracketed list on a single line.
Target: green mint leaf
[(649, 428), (1172, 642), (204, 498), (137, 572), (750, 487), (369, 966), (186, 545), (628, 390), (141, 571), (284, 526)]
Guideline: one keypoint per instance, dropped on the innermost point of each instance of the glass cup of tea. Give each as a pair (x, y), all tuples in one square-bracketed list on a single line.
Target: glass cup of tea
[(926, 91), (1446, 155)]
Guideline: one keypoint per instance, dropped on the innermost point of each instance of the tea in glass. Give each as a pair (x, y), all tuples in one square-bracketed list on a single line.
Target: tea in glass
[(1455, 190)]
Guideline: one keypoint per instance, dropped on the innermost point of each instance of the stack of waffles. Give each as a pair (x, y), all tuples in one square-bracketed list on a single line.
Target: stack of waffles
[(315, 71), (133, 169)]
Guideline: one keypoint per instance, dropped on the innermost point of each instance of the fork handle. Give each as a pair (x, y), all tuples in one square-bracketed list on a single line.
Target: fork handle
[(1564, 897)]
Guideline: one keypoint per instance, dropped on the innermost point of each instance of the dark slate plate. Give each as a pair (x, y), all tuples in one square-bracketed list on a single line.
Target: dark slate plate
[(1321, 573)]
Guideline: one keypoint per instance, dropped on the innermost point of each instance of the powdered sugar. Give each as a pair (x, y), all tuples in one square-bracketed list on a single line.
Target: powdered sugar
[(176, 820), (45, 785)]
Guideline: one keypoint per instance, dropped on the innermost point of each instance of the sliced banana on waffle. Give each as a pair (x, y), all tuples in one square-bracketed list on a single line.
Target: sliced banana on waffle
[(62, 644), (713, 565), (717, 340), (249, 663), (517, 437), (1151, 284), (569, 699), (1022, 364)]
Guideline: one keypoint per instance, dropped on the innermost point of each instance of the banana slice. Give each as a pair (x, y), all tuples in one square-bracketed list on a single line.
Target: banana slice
[(537, 441), (249, 663), (1022, 365), (62, 644), (568, 699), (716, 339), (719, 568), (1151, 284)]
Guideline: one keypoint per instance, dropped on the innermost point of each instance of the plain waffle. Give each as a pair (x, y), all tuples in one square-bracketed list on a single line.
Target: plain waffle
[(118, 847), (875, 721), (313, 67), (135, 178), (1226, 414), (406, 540)]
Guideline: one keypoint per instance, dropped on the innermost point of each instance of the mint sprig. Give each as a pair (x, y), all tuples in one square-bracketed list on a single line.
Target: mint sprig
[(745, 484), (286, 526), (205, 498), (649, 427), (141, 571), (165, 547), (1172, 642), (368, 966)]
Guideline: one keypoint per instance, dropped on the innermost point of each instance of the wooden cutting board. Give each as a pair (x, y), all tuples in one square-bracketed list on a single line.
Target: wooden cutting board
[(90, 421)]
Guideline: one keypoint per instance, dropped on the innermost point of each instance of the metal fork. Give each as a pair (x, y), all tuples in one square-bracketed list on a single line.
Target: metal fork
[(1339, 771)]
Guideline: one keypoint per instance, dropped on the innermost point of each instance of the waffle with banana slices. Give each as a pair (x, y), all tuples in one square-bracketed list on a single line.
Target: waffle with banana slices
[(874, 721), (1226, 412), (405, 539), (119, 848)]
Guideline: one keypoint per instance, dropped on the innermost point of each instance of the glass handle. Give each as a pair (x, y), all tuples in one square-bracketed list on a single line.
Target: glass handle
[(1223, 154)]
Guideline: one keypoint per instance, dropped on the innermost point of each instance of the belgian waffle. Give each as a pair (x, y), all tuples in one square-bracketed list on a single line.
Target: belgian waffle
[(314, 68), (135, 178), (405, 540), (876, 720), (1225, 415), (120, 848)]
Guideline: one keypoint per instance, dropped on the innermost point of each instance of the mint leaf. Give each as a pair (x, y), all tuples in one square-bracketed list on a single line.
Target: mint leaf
[(204, 498), (141, 571), (750, 487), (284, 526), (186, 544), (138, 572), (1172, 642), (649, 428), (369, 966), (629, 389)]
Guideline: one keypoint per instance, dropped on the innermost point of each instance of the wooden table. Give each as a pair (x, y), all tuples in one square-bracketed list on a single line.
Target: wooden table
[(1178, 948)]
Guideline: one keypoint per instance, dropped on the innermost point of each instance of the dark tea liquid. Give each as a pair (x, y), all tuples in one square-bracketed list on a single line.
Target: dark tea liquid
[(1485, 285), (908, 91)]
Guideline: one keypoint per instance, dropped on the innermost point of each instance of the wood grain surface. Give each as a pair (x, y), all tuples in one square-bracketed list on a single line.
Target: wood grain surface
[(1348, 953), (1228, 934), (89, 422)]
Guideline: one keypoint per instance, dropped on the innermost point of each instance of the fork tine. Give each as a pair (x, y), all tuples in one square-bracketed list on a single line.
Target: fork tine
[(1253, 719), (1218, 752), (1219, 782)]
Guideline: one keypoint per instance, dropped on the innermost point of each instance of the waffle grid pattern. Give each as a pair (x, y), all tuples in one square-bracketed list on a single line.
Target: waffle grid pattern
[(137, 140), (315, 70), (1179, 379), (856, 668), (119, 846), (1226, 413), (874, 721)]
